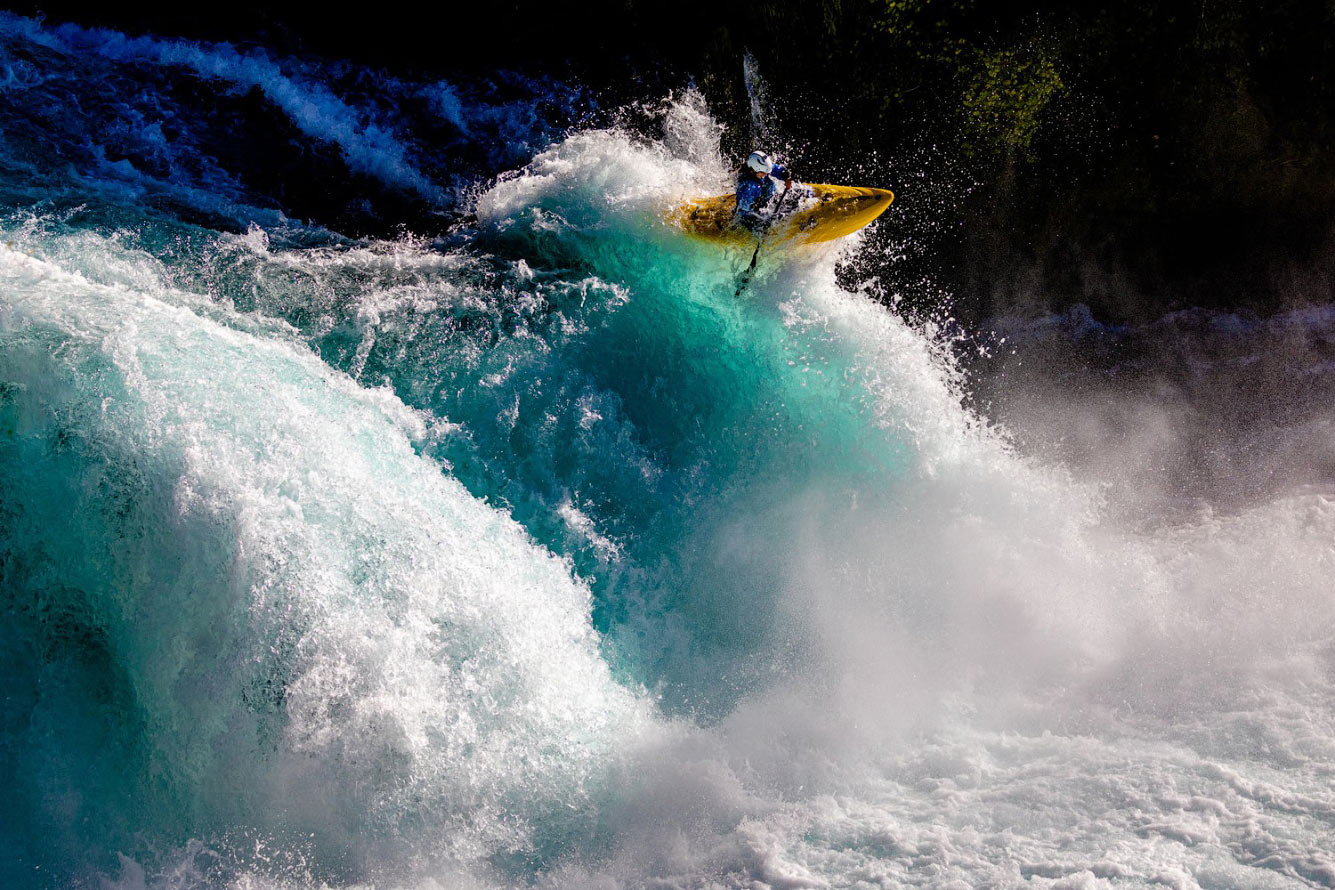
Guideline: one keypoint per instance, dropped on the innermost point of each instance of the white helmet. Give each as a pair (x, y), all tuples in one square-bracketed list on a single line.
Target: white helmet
[(759, 162)]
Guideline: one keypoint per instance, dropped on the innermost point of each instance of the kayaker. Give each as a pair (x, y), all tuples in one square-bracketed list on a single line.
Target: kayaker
[(757, 184)]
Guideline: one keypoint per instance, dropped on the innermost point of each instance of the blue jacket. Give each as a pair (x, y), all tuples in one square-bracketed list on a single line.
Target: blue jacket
[(754, 196)]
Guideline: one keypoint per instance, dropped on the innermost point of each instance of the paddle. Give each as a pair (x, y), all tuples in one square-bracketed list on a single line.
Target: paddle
[(760, 239), (750, 270)]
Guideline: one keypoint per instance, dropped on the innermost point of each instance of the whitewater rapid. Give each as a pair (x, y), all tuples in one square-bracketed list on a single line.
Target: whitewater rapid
[(529, 554)]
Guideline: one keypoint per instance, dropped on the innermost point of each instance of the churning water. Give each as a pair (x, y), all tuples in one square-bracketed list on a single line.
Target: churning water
[(529, 554)]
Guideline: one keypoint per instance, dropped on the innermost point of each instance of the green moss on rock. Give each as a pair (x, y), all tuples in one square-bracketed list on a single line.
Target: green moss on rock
[(1004, 99)]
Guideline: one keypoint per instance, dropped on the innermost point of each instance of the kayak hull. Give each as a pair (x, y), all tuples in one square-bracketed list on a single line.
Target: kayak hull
[(822, 213)]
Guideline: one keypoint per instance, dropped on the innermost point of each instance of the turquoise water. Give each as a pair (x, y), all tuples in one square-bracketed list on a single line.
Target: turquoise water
[(259, 480), (528, 553)]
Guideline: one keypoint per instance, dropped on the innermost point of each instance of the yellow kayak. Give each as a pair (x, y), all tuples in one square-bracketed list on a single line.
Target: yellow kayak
[(812, 214)]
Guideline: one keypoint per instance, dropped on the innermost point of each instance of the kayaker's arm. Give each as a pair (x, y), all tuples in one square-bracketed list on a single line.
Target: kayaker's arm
[(751, 200)]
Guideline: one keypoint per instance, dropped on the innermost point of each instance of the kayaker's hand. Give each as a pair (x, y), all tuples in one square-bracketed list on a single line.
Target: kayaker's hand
[(788, 183)]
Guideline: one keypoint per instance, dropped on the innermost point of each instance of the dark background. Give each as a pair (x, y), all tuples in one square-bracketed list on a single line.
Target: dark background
[(1136, 157)]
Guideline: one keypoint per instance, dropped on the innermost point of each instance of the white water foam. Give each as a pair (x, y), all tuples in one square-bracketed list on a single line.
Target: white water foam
[(994, 682), (439, 675), (1000, 683)]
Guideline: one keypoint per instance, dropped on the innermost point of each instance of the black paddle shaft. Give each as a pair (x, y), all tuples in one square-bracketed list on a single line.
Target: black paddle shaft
[(760, 239)]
